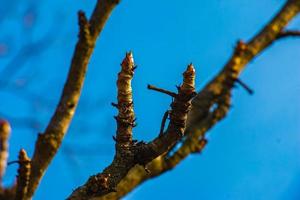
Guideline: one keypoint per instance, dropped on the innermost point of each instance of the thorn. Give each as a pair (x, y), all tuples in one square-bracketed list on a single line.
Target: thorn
[(13, 162), (163, 123), (134, 141), (146, 169), (245, 86), (114, 138), (114, 104)]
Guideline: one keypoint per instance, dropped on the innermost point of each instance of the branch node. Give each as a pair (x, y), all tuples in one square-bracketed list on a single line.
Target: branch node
[(200, 145)]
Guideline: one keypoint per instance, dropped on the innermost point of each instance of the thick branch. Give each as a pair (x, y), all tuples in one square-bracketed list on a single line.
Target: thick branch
[(106, 181), (125, 118), (49, 142), (128, 154), (200, 118)]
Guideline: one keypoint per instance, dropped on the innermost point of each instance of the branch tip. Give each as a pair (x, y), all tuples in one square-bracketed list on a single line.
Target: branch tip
[(23, 175), (126, 117), (84, 27), (188, 85)]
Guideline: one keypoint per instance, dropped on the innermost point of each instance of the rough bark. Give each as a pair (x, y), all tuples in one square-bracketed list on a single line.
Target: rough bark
[(215, 93), (135, 162), (49, 142)]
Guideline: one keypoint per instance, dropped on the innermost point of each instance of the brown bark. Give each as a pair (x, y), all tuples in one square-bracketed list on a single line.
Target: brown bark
[(49, 142), (4, 135), (136, 162), (216, 92), (129, 152), (23, 176)]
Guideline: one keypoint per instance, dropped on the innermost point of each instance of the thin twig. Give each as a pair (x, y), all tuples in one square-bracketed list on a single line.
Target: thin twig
[(163, 123), (152, 87), (288, 33), (245, 86)]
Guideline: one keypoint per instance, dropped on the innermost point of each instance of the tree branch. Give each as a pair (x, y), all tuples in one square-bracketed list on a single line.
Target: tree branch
[(23, 176), (288, 33), (4, 136), (128, 152), (125, 118), (106, 181), (201, 118), (49, 142)]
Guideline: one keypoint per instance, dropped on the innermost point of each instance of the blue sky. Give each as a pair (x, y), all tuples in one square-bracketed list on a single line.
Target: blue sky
[(252, 155)]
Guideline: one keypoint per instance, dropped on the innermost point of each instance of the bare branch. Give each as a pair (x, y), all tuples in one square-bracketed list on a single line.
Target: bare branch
[(4, 136), (200, 119), (105, 182), (178, 115), (125, 118), (129, 153), (49, 142), (23, 176)]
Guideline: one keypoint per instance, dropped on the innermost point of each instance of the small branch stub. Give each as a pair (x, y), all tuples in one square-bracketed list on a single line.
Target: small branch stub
[(23, 175), (84, 27)]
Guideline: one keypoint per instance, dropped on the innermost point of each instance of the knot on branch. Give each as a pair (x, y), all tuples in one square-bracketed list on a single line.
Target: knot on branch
[(200, 145), (99, 184)]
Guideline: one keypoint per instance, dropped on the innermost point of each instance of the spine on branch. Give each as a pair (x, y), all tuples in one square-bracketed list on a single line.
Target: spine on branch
[(4, 136)]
